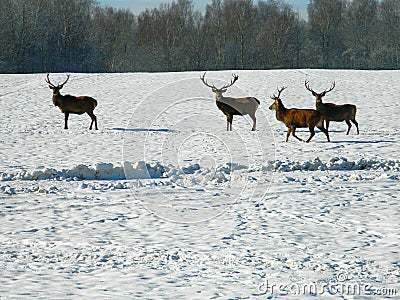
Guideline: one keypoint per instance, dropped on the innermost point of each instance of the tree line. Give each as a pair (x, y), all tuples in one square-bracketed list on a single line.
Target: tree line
[(84, 36)]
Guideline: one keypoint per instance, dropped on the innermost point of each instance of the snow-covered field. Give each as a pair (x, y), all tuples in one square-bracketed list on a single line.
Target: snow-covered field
[(162, 203)]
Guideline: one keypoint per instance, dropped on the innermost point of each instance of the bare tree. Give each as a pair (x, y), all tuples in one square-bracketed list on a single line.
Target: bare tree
[(214, 28), (82, 35), (278, 38), (114, 35), (361, 32), (326, 21), (387, 53)]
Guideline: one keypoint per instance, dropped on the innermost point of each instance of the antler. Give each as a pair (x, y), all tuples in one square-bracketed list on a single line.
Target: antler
[(233, 80), (332, 87), (281, 90), (205, 82), (306, 83), (273, 97), (48, 80), (59, 85)]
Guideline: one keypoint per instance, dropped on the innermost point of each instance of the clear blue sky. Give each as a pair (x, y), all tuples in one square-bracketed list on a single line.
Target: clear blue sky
[(139, 5)]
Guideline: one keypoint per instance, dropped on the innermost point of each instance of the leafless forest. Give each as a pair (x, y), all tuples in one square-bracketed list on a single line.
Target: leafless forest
[(84, 36)]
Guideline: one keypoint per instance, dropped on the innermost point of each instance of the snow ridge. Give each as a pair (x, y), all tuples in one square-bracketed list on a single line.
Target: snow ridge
[(142, 170), (334, 164)]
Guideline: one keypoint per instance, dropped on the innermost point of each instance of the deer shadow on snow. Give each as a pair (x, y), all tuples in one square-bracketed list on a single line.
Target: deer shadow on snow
[(142, 129), (363, 142)]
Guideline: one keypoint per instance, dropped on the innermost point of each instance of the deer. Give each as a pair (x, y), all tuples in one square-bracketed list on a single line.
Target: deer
[(297, 118), (71, 104), (334, 112), (233, 106)]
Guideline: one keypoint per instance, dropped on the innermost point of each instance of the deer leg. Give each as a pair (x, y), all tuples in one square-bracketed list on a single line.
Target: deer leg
[(348, 124), (294, 134), (94, 120), (253, 117), (356, 123), (292, 130), (66, 115), (91, 123), (229, 119), (289, 130), (324, 131), (327, 124), (311, 135)]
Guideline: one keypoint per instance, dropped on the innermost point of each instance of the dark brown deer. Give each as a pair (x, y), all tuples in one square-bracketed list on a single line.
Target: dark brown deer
[(297, 118), (71, 104), (334, 112), (233, 106)]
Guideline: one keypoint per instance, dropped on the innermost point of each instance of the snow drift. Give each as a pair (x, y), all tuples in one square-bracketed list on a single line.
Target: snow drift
[(142, 170)]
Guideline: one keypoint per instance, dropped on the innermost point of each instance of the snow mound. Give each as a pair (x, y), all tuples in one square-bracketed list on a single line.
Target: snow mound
[(334, 164), (101, 171), (194, 174)]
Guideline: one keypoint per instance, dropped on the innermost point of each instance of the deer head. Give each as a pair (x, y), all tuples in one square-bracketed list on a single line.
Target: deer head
[(56, 89), (277, 99), (318, 96), (218, 91)]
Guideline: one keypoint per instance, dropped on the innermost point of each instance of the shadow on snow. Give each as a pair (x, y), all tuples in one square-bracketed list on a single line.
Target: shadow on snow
[(143, 129)]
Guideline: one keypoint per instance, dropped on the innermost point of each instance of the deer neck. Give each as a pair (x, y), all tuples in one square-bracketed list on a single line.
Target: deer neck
[(56, 99), (281, 112), (218, 97), (318, 103)]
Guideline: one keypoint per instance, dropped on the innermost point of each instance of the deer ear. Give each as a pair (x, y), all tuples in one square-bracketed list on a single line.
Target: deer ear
[(50, 87), (214, 90), (224, 90)]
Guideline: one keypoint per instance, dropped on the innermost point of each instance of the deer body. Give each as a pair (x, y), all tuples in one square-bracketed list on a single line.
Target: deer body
[(298, 118), (73, 105), (338, 113), (334, 112), (68, 104), (234, 106)]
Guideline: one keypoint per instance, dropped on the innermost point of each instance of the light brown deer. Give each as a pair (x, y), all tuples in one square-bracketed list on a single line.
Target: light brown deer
[(71, 104), (233, 106), (334, 112), (297, 118)]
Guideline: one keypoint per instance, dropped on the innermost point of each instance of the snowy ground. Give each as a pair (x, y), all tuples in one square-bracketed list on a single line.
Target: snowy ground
[(203, 213)]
